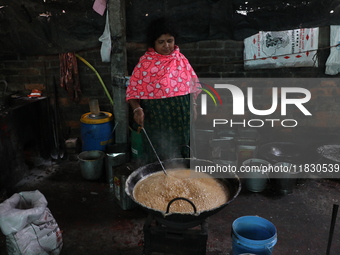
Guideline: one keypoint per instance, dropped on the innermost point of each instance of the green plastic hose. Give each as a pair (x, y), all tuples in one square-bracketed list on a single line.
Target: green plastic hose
[(99, 77)]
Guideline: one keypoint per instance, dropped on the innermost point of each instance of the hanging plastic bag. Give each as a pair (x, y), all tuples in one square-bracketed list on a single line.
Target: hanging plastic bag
[(333, 61), (29, 226), (105, 38)]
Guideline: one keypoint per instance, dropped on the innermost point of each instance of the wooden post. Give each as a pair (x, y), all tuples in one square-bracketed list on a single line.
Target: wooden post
[(116, 12)]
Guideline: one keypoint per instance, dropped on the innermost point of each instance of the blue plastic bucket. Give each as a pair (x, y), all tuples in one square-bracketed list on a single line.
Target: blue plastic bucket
[(96, 134), (253, 234)]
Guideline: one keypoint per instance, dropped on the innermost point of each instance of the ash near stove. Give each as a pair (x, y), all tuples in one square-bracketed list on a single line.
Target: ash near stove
[(174, 238)]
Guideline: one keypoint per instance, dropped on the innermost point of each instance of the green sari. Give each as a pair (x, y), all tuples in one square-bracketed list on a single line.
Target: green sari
[(167, 123)]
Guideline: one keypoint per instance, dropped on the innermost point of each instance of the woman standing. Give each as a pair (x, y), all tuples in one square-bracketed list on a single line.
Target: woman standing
[(161, 90)]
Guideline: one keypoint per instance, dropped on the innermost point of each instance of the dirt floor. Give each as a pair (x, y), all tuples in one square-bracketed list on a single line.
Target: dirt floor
[(92, 222)]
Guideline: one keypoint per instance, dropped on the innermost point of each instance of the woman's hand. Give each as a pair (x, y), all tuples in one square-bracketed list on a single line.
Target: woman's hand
[(137, 111), (138, 116)]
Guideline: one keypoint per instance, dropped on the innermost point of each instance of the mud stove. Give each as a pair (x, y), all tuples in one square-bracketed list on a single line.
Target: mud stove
[(174, 238)]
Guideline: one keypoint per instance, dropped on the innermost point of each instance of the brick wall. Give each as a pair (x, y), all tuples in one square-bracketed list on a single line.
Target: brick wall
[(24, 73), (209, 58)]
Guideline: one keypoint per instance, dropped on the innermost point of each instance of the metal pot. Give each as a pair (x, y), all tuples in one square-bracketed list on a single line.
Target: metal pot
[(179, 220), (290, 152), (330, 152)]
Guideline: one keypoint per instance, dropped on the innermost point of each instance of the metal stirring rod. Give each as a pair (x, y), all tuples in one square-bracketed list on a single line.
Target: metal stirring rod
[(154, 151)]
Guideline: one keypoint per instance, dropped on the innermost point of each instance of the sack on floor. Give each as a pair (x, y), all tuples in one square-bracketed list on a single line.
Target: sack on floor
[(29, 226)]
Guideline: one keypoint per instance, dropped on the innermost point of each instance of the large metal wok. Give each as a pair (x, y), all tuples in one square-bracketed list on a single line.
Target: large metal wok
[(232, 182)]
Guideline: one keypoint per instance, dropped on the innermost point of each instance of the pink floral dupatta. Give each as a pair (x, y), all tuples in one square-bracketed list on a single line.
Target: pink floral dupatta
[(159, 76)]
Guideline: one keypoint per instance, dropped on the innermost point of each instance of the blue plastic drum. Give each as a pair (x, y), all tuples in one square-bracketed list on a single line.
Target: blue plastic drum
[(96, 133)]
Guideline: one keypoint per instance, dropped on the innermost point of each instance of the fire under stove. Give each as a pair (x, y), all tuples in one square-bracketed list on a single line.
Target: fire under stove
[(174, 238)]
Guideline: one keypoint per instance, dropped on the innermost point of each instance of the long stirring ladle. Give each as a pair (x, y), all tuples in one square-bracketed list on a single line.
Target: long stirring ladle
[(154, 151)]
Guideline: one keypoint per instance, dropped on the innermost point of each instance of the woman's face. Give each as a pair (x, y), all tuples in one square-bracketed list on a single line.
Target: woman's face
[(165, 44)]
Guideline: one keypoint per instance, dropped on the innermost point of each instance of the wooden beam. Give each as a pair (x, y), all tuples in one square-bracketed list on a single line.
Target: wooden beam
[(119, 67)]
